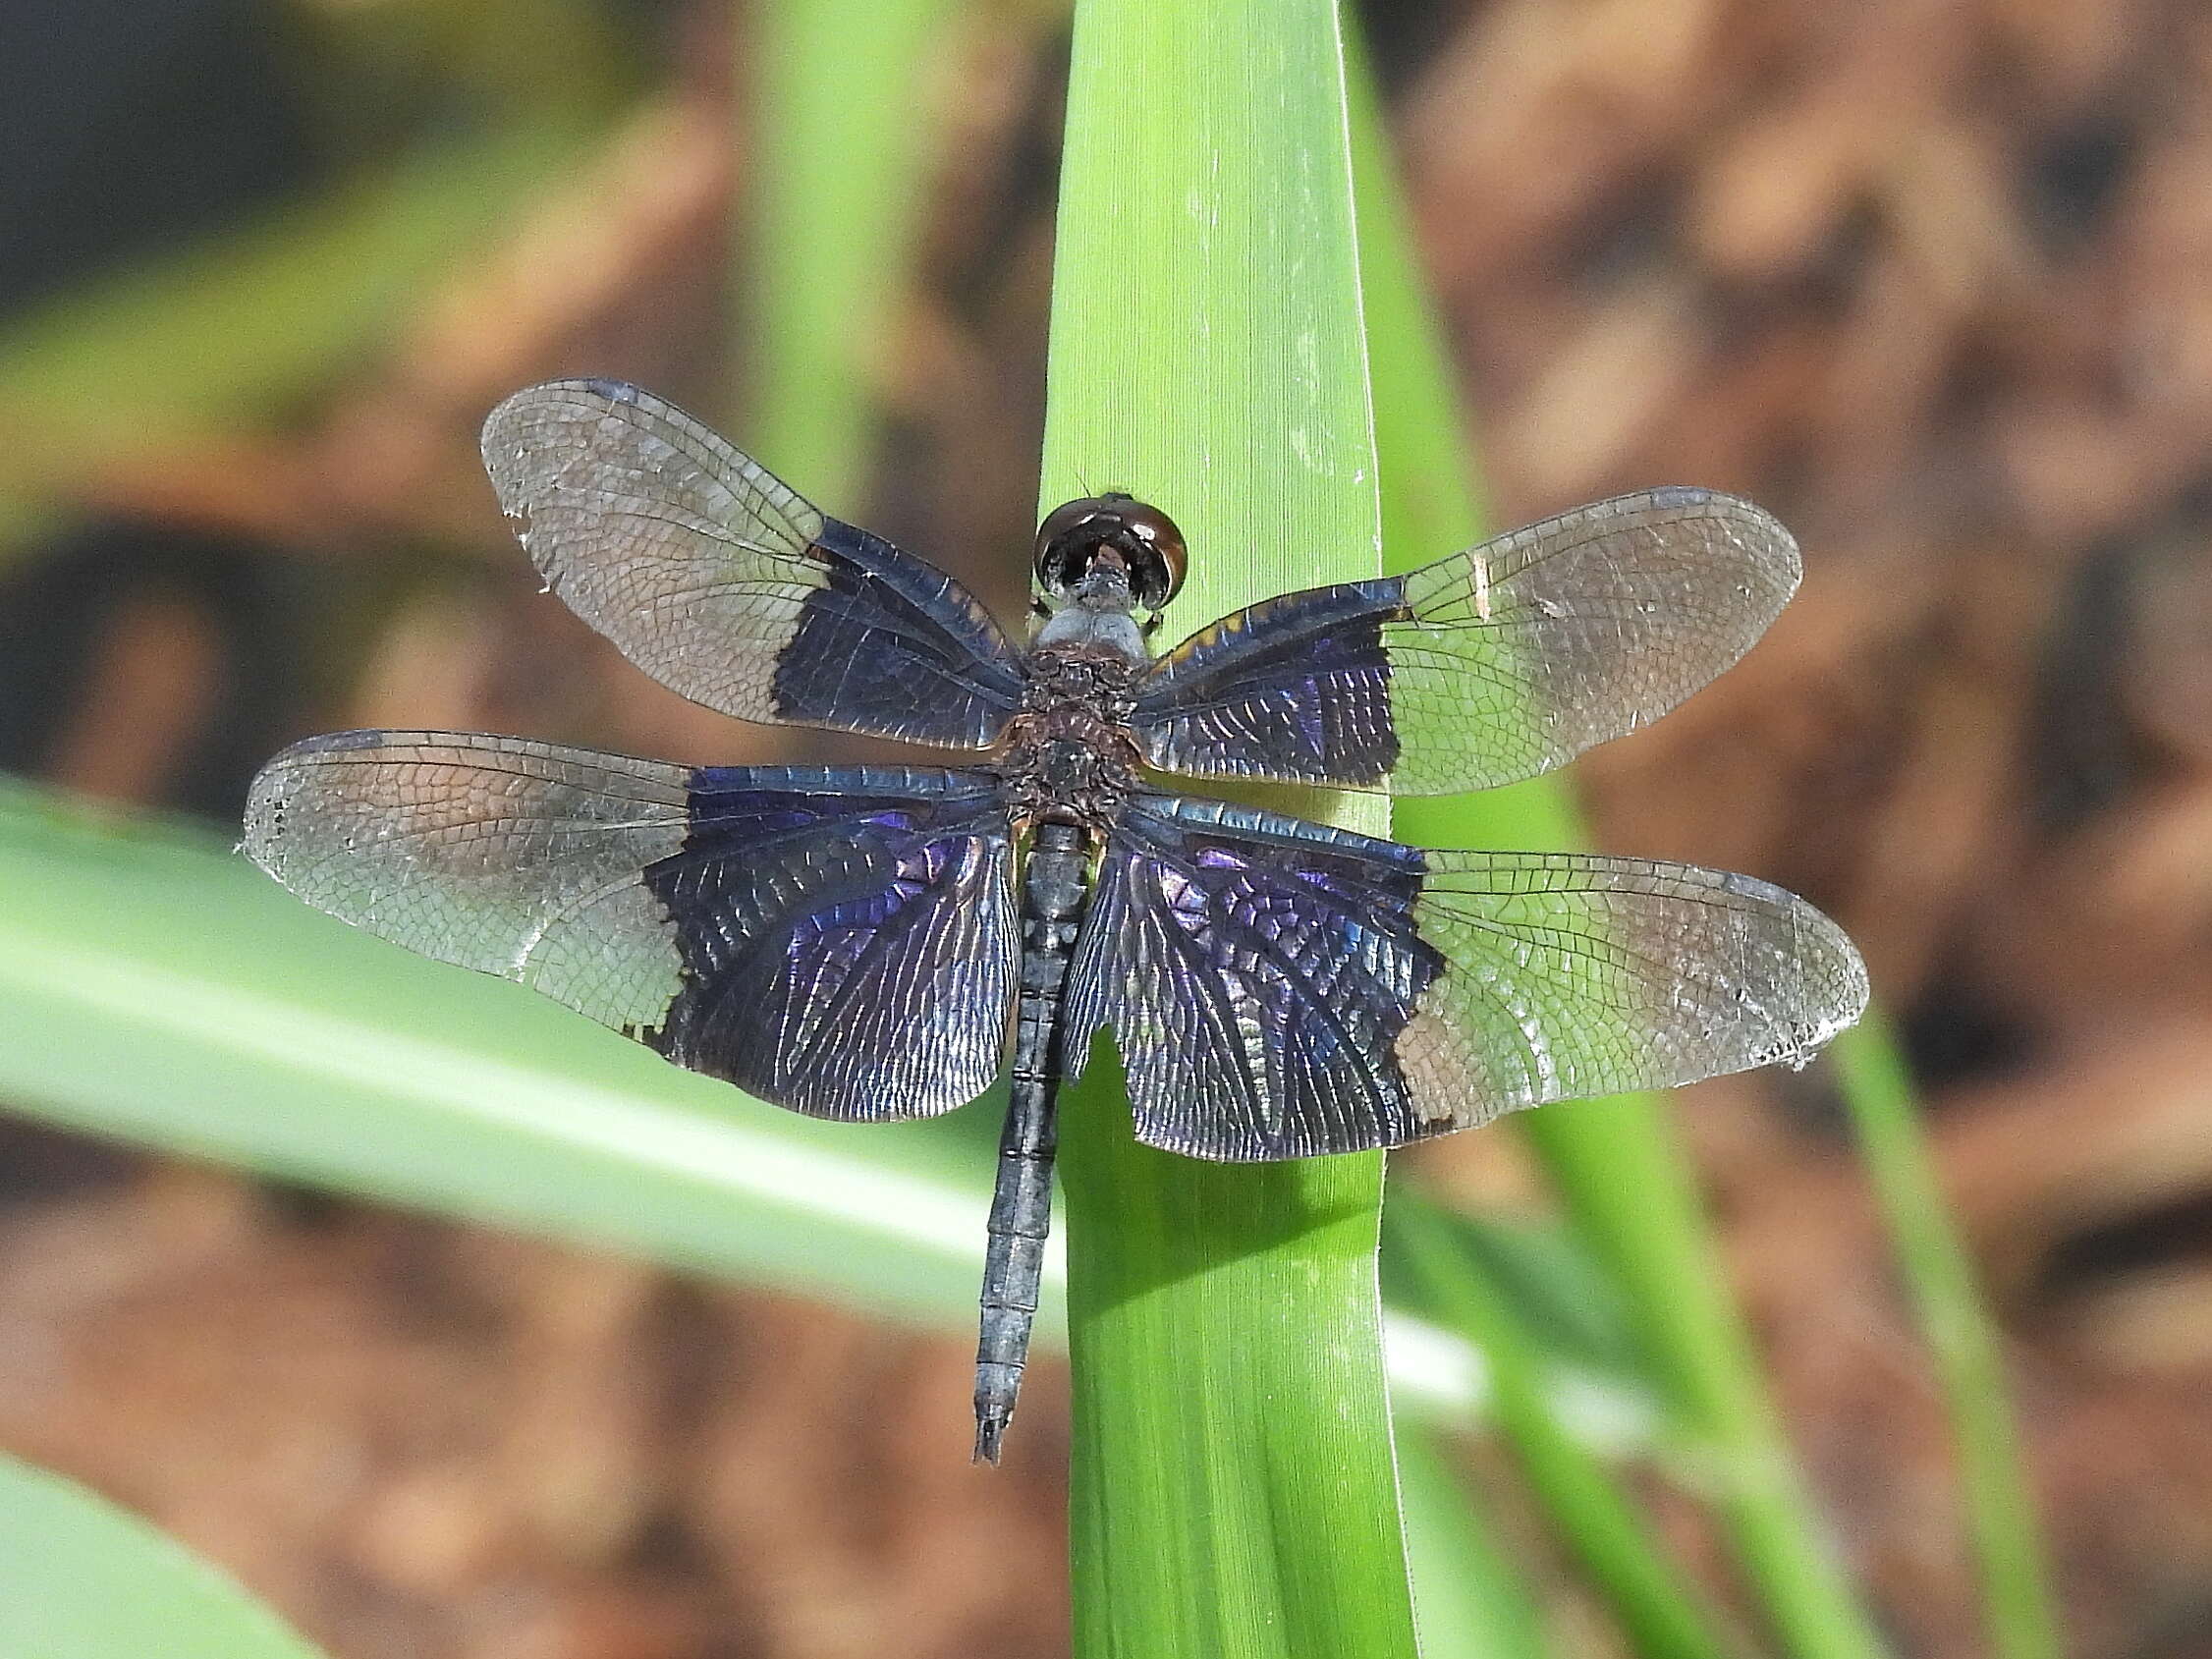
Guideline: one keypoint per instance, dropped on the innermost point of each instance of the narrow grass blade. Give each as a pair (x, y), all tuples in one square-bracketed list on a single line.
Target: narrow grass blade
[(233, 328), (1469, 1593), (1616, 1164), (81, 1580), (1657, 1605), (1234, 1488), (1969, 1354), (841, 151)]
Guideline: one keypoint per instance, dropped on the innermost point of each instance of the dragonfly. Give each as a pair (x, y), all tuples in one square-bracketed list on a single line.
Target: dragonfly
[(875, 942)]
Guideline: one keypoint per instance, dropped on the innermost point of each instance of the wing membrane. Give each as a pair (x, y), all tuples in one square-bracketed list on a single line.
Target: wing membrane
[(719, 581), (1281, 989), (1490, 666), (839, 941)]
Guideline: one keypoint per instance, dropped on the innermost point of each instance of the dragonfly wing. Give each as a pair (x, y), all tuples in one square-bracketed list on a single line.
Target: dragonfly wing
[(719, 581), (841, 941), (1281, 989), (1490, 666)]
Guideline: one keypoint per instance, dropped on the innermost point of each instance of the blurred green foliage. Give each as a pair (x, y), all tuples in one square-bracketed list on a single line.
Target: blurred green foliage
[(436, 125), (81, 1580)]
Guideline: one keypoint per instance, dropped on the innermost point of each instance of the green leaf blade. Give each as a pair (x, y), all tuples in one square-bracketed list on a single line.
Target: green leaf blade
[(1234, 1487)]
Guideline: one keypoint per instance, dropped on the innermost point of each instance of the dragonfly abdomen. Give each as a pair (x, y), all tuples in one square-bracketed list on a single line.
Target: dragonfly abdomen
[(1055, 882)]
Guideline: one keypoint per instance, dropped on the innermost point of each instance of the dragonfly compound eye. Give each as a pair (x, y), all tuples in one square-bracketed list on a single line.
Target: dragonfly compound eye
[(1147, 539)]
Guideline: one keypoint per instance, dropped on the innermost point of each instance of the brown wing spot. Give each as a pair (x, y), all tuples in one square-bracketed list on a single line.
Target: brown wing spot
[(1446, 1086)]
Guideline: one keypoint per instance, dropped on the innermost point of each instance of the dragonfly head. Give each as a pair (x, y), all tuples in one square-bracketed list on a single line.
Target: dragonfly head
[(1110, 551)]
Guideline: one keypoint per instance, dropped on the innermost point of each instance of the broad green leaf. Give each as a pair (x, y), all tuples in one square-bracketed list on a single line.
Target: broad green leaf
[(82, 1580), (1234, 1492)]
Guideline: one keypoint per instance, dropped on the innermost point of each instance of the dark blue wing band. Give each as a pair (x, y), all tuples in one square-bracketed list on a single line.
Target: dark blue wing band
[(848, 936), (1295, 686), (892, 646), (1258, 970)]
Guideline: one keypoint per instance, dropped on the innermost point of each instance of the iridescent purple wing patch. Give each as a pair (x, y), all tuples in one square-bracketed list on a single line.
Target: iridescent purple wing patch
[(1279, 988), (848, 936)]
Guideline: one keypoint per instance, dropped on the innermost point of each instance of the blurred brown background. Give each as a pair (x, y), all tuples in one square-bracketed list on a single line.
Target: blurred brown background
[(1932, 279)]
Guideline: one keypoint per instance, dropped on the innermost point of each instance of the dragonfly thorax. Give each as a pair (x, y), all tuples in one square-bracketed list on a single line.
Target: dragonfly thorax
[(1096, 622), (1068, 755)]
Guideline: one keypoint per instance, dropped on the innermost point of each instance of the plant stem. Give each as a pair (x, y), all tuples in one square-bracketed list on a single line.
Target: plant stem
[(1970, 1362)]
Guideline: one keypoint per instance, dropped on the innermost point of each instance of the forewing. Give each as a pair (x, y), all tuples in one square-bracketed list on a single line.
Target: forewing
[(1487, 667), (838, 941), (720, 582), (1280, 989)]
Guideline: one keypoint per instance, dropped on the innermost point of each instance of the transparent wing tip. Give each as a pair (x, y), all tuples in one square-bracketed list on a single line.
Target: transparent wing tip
[(501, 442), (285, 787), (1836, 989)]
